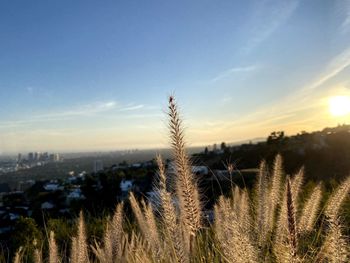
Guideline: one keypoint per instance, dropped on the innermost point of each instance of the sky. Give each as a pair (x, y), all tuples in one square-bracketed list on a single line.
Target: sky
[(95, 75)]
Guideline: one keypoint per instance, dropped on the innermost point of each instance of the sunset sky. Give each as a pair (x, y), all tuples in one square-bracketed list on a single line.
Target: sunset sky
[(95, 75)]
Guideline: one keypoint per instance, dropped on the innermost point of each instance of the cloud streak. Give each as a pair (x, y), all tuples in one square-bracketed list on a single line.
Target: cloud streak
[(268, 17), (345, 26), (86, 110), (295, 111), (233, 70), (337, 65)]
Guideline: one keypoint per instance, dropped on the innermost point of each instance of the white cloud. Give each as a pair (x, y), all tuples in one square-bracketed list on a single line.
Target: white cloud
[(267, 18), (336, 65), (345, 9), (233, 70), (85, 110), (132, 108), (82, 110)]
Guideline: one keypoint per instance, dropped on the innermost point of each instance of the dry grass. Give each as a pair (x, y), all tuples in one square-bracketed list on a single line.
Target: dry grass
[(264, 226)]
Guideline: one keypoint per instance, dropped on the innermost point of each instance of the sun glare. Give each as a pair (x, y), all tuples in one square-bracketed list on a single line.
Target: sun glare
[(339, 105)]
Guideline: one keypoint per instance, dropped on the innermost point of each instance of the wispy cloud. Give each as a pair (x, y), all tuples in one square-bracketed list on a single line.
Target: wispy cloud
[(345, 8), (81, 110), (233, 70), (85, 110), (267, 18), (336, 65), (132, 108), (293, 113)]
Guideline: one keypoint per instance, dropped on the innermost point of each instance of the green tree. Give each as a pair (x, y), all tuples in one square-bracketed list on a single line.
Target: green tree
[(25, 233)]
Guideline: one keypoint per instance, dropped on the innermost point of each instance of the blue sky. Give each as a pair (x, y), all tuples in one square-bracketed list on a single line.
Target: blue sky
[(95, 75)]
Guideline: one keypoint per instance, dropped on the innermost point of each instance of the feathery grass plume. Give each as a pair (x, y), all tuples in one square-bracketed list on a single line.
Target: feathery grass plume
[(108, 242), (79, 250), (275, 192), (104, 253), (74, 251), (153, 235), (18, 256), (296, 183), (261, 203), (173, 233), (138, 214), (244, 217), (292, 228), (37, 256), (222, 211), (186, 187), (336, 200), (286, 243), (281, 232), (335, 248), (138, 250), (310, 210), (147, 223), (116, 232), (236, 202), (37, 253), (295, 187), (236, 243), (53, 252)]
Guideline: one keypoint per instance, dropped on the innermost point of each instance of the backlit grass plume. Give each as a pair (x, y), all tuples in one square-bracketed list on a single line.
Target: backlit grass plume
[(186, 188)]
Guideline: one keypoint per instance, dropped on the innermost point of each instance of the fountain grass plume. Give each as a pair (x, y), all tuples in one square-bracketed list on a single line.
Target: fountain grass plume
[(186, 187), (79, 248), (172, 230), (336, 200), (310, 210), (261, 203), (53, 251)]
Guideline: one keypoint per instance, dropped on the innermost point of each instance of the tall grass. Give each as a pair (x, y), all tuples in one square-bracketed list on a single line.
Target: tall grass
[(268, 224)]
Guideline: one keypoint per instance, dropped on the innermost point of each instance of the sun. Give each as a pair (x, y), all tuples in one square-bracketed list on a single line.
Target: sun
[(339, 105)]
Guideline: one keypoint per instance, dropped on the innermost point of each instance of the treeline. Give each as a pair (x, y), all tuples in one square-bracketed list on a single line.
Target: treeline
[(324, 154)]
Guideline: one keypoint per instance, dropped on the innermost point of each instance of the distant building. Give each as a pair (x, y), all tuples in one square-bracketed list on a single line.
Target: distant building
[(200, 170), (136, 165), (54, 157), (30, 157), (37, 156), (52, 187), (75, 194), (19, 158), (47, 205), (45, 156), (126, 185), (98, 166)]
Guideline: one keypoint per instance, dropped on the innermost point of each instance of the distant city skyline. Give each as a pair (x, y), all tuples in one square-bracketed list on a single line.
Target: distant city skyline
[(85, 76)]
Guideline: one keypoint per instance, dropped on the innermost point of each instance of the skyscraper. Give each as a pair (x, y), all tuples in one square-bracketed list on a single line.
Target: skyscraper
[(98, 166), (30, 157), (19, 158)]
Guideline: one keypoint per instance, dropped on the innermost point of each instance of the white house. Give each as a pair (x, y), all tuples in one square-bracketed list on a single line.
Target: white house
[(52, 187), (47, 205), (126, 185)]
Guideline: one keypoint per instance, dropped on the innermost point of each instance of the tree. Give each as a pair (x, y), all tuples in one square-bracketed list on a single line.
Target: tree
[(223, 146), (25, 233), (275, 137)]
